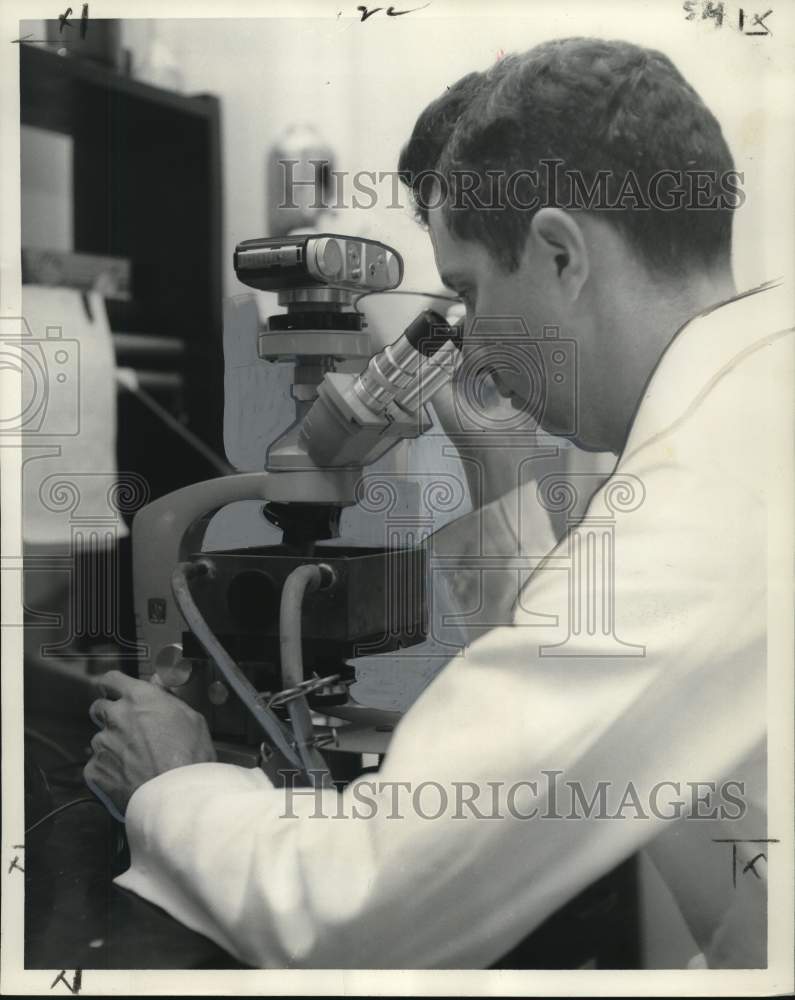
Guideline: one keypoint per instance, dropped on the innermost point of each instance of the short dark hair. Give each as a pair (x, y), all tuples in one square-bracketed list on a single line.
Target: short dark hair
[(593, 106)]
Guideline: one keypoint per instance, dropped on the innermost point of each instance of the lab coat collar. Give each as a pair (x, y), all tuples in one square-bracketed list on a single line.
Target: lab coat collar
[(703, 349)]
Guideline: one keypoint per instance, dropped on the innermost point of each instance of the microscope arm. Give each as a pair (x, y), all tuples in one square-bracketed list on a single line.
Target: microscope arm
[(158, 534), (162, 535)]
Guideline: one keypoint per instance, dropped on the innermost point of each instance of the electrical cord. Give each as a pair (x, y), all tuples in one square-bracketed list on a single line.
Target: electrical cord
[(301, 581), (222, 467), (53, 774), (270, 723), (76, 762), (403, 291), (65, 782), (54, 812), (50, 744)]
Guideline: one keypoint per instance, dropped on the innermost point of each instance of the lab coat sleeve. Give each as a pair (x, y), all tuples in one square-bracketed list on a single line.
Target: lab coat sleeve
[(649, 678)]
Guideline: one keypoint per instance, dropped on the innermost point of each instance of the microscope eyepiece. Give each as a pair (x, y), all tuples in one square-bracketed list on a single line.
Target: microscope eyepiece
[(429, 332), (354, 418)]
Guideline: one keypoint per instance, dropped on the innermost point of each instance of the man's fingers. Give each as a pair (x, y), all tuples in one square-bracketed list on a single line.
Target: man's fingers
[(114, 684), (102, 712), (101, 783), (107, 744)]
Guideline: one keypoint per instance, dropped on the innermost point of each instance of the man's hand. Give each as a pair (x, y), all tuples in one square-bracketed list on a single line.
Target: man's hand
[(492, 470), (144, 731)]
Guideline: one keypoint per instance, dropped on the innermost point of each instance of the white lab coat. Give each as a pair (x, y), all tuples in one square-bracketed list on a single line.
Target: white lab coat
[(661, 679)]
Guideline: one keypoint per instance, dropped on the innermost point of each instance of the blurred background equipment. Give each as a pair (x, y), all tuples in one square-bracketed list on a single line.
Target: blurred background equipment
[(299, 168), (109, 276), (120, 170)]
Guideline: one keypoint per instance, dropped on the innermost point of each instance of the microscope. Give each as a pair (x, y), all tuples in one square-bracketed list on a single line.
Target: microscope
[(258, 639)]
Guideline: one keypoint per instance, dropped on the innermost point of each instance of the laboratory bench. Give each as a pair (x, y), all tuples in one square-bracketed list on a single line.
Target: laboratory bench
[(76, 918)]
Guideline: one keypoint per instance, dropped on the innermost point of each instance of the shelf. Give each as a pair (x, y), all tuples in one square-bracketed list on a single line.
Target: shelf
[(146, 169), (53, 91)]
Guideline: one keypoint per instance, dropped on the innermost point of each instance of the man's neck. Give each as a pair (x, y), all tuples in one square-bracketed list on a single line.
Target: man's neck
[(646, 325)]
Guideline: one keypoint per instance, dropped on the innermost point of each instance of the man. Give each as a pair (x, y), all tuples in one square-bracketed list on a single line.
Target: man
[(644, 686)]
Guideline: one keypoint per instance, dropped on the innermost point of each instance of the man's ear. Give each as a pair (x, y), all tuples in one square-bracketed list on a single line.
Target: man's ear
[(556, 237)]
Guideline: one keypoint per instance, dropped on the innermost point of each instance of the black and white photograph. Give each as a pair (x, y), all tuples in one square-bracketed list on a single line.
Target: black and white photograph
[(397, 428)]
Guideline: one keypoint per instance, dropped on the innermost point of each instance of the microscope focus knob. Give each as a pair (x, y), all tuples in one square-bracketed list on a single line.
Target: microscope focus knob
[(328, 258), (172, 669), (218, 693)]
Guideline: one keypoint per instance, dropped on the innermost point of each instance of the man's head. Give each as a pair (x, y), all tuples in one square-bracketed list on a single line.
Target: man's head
[(582, 185)]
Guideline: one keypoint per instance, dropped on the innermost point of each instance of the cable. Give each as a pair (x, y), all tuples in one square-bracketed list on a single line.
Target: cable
[(34, 734), (403, 291), (57, 782), (302, 580), (218, 463), (60, 809), (51, 773), (55, 776), (236, 679), (75, 762)]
